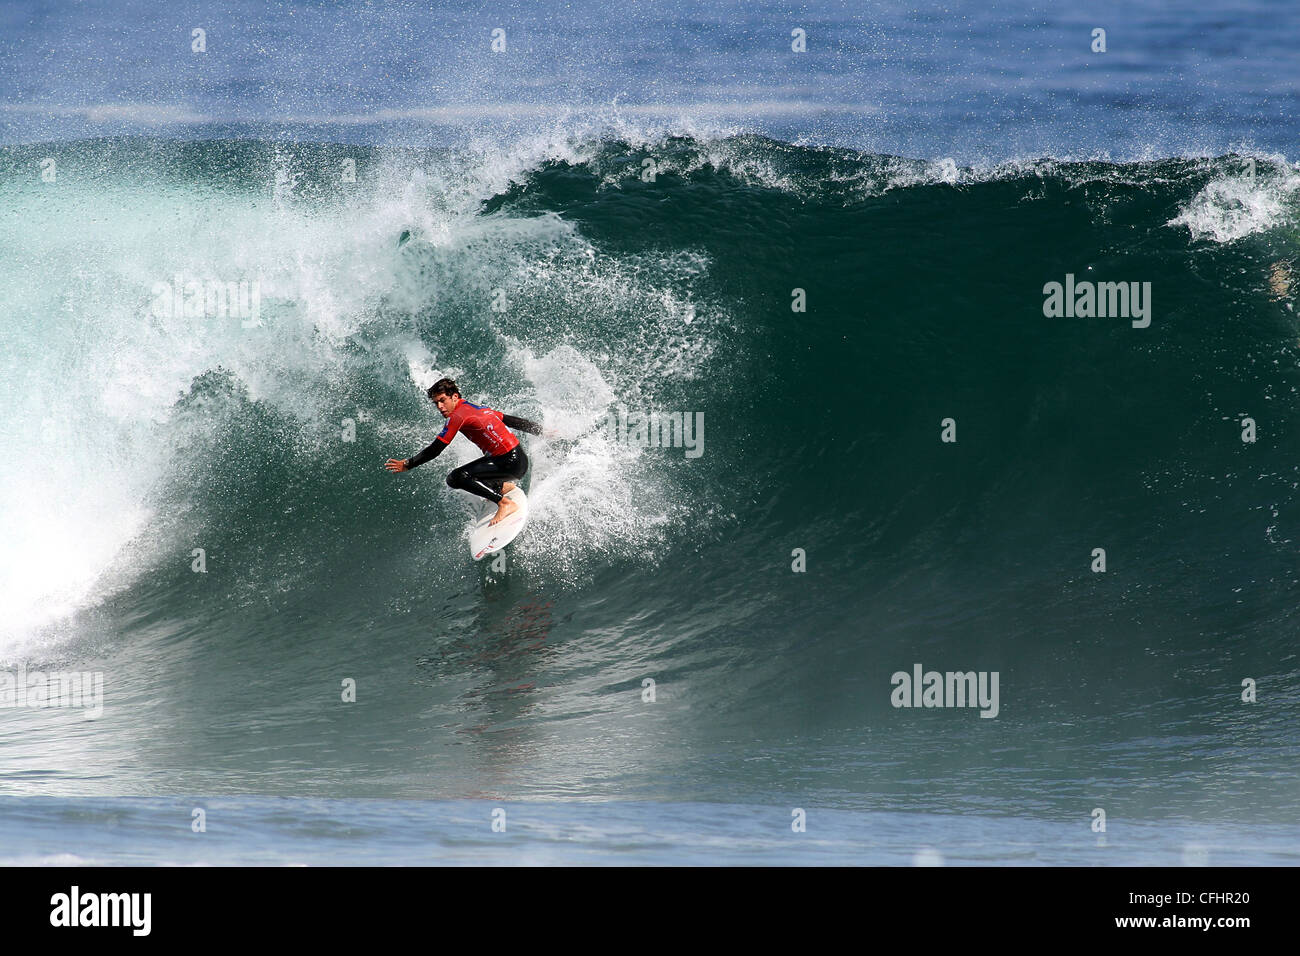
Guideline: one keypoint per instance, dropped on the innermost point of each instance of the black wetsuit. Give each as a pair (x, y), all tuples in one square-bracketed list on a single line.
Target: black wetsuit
[(484, 476)]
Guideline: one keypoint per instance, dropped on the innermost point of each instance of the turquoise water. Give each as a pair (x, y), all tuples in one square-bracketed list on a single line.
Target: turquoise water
[(267, 831)]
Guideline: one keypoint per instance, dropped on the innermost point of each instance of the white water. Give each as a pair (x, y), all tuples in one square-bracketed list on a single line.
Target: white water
[(89, 375)]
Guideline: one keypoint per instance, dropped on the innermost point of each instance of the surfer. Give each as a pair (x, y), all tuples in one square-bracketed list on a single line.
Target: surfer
[(504, 457)]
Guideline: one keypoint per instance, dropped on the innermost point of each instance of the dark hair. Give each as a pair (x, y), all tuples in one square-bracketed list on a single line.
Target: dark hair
[(444, 386)]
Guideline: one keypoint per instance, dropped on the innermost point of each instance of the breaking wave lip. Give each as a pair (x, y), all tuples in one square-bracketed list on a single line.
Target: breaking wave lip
[(856, 175), (1239, 204)]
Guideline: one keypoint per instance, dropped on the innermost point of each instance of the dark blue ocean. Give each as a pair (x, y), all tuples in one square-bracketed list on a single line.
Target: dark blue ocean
[(953, 569)]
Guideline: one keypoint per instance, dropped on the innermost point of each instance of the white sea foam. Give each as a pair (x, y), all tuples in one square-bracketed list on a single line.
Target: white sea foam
[(1239, 203), (90, 374), (90, 377)]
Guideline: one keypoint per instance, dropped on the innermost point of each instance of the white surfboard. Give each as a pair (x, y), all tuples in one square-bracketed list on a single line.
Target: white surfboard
[(486, 538)]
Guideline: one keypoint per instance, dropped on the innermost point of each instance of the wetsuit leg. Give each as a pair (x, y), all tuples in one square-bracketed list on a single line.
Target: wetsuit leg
[(485, 476)]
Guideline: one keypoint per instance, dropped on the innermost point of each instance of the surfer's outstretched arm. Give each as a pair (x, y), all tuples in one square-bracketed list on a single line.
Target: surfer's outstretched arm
[(523, 424), (415, 461), (433, 451)]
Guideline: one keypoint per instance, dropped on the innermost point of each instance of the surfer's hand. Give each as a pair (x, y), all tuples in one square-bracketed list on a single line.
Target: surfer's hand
[(396, 464), (551, 433)]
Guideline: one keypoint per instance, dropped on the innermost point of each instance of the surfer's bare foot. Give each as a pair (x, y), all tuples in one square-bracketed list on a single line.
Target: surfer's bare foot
[(504, 510), (508, 487)]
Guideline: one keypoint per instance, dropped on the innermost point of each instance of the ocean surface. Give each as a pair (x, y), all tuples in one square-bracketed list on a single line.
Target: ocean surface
[(833, 266)]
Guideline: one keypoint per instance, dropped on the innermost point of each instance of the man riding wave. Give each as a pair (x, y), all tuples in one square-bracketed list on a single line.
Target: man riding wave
[(503, 458)]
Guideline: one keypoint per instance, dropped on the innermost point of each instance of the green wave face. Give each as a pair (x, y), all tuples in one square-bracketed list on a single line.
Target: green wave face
[(825, 322)]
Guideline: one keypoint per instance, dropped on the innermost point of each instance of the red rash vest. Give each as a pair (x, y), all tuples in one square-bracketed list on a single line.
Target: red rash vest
[(481, 425)]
